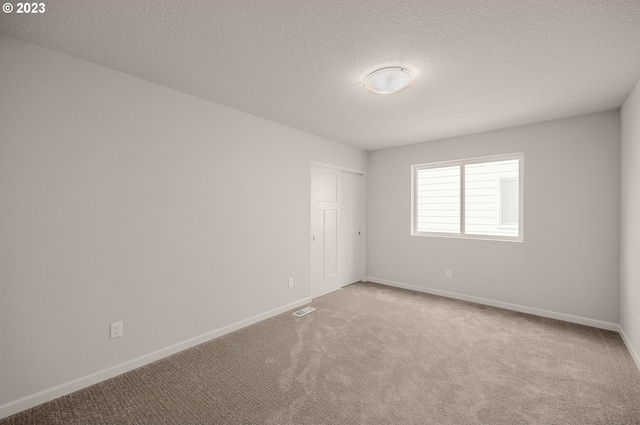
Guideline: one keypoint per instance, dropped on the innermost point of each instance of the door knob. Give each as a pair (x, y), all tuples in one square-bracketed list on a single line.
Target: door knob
[(313, 238)]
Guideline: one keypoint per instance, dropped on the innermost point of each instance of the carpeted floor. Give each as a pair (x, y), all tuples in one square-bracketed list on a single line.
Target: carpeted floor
[(372, 354)]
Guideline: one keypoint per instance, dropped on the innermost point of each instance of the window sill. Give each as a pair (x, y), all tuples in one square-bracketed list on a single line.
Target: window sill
[(471, 237)]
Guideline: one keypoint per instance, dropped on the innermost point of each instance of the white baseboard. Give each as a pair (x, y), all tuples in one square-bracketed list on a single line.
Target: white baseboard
[(49, 394), (633, 353), (508, 306)]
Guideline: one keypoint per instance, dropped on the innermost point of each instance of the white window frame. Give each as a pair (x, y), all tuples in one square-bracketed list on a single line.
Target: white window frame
[(462, 235)]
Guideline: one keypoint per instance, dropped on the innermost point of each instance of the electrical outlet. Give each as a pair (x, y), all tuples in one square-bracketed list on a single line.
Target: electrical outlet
[(290, 282), (116, 330), (448, 273)]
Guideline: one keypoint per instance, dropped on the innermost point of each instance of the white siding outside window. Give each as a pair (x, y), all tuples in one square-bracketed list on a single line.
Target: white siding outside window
[(509, 193), (438, 200), (476, 198)]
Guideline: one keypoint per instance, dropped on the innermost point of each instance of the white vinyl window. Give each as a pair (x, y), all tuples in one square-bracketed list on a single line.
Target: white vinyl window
[(472, 198)]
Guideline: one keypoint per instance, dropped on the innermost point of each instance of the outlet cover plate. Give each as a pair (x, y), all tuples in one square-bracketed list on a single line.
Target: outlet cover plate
[(116, 330)]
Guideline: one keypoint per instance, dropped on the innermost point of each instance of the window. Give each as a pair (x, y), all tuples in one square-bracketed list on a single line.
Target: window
[(475, 198)]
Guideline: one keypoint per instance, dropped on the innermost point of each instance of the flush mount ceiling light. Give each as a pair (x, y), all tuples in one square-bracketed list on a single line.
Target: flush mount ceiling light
[(388, 80)]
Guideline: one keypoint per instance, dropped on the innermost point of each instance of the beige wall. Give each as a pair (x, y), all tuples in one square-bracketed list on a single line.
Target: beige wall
[(568, 262), (630, 224), (124, 200)]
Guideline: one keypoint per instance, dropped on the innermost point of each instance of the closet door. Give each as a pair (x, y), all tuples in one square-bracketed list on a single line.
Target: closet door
[(325, 205), (350, 261)]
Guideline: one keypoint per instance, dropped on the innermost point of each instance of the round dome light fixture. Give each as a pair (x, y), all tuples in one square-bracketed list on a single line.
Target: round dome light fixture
[(388, 80)]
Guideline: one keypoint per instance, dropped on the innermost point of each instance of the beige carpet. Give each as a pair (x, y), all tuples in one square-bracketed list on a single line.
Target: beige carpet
[(372, 354)]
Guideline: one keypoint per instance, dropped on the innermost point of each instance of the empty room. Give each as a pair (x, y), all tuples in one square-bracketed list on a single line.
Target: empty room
[(320, 212)]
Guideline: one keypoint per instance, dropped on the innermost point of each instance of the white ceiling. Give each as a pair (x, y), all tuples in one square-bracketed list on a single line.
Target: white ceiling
[(478, 65)]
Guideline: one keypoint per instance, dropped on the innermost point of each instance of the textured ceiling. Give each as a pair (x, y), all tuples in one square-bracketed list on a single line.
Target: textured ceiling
[(478, 65)]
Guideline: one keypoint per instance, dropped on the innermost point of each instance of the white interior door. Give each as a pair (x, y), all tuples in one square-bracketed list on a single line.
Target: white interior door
[(350, 257), (325, 204), (336, 232)]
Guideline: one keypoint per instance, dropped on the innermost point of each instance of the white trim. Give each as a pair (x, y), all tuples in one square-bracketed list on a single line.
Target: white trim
[(467, 237), (49, 394), (634, 355), (477, 159), (501, 304)]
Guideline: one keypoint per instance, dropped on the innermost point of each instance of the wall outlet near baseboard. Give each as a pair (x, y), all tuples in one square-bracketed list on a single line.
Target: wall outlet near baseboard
[(116, 330), (448, 273), (290, 282)]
